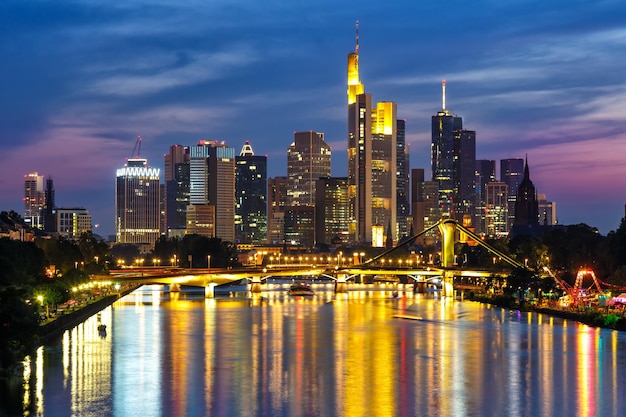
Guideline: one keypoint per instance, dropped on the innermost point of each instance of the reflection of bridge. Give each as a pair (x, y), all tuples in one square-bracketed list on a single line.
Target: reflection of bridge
[(421, 275)]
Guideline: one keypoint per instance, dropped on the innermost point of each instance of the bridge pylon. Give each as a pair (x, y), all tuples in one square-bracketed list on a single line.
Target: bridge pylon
[(447, 227)]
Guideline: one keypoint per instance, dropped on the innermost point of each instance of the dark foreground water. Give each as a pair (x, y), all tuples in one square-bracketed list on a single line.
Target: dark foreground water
[(356, 354)]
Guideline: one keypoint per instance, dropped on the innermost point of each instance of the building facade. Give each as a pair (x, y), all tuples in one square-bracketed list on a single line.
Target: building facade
[(332, 210), (137, 203), (251, 197), (496, 210), (308, 159), (72, 222), (34, 200), (512, 173)]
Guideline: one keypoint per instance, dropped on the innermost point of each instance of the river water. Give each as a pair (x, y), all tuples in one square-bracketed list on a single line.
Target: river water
[(363, 353)]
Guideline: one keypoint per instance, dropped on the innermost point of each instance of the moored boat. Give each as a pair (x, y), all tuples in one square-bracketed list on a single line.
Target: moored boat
[(301, 288)]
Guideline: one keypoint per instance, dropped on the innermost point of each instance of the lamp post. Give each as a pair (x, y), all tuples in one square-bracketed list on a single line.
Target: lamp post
[(208, 262)]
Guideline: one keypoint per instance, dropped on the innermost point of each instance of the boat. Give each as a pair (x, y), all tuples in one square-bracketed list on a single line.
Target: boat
[(301, 288)]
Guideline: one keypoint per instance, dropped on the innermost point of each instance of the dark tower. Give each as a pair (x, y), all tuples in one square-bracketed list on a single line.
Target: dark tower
[(526, 207), (49, 218)]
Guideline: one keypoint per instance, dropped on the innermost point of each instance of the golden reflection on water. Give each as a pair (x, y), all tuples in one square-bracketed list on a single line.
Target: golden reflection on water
[(358, 354)]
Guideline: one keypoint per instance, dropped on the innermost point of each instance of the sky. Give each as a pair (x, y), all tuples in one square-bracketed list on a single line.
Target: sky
[(82, 79)]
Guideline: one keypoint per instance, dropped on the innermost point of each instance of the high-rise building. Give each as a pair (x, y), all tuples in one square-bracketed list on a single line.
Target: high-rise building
[(308, 159), (34, 200), (137, 203), (177, 182), (49, 217), (384, 165), (424, 207), (444, 126), (72, 222), (251, 197), (332, 210), (403, 205), (372, 157), (485, 173), (496, 224), (512, 173), (276, 204), (464, 173), (299, 224), (212, 182)]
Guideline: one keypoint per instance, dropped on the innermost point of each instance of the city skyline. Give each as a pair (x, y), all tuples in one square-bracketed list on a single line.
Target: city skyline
[(538, 80)]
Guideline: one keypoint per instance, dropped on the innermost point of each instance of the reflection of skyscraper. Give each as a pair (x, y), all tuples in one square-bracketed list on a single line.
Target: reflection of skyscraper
[(372, 157), (512, 173), (444, 126), (308, 159), (137, 214), (251, 196), (34, 199)]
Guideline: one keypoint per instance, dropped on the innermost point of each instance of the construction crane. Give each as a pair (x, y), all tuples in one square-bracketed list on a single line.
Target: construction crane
[(136, 149)]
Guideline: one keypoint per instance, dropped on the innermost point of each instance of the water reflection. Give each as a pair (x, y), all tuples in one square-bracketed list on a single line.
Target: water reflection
[(361, 353)]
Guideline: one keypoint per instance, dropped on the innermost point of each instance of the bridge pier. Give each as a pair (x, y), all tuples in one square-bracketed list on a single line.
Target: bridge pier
[(209, 290), (341, 285), (447, 288), (255, 285), (419, 287)]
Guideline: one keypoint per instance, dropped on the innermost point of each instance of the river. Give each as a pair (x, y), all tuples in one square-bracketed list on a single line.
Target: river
[(363, 353)]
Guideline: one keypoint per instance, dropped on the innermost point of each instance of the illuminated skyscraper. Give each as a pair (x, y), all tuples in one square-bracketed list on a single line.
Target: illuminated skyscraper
[(276, 204), (496, 209), (308, 159), (176, 177), (464, 174), (372, 158), (485, 173), (403, 206), (332, 210), (34, 199), (137, 203), (212, 182), (444, 126), (512, 173), (251, 197)]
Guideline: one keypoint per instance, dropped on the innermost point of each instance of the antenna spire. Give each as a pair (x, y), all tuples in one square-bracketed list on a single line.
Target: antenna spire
[(443, 94), (356, 49)]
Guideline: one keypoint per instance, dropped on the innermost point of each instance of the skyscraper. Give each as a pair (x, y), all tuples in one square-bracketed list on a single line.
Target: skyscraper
[(49, 215), (372, 157), (212, 182), (34, 199), (137, 203), (444, 126), (512, 173), (485, 173), (308, 159), (332, 210), (251, 196), (403, 205), (276, 204), (464, 169), (177, 180), (424, 207)]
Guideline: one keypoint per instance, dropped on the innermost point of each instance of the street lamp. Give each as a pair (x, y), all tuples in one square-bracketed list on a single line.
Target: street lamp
[(208, 262)]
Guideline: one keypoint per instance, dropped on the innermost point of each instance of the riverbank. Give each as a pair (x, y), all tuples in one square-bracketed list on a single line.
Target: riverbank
[(55, 327), (596, 317)]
